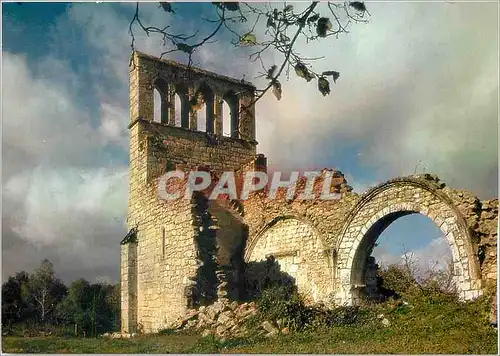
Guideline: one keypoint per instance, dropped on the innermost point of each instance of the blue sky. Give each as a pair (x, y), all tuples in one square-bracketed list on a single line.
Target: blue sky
[(419, 83)]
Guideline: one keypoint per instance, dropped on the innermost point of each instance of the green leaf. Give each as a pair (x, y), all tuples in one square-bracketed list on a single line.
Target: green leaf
[(284, 38), (313, 18), (358, 5), (270, 23), (277, 89), (323, 26), (275, 14), (185, 48), (248, 39), (335, 75), (324, 86), (302, 71), (232, 6), (270, 72), (167, 7)]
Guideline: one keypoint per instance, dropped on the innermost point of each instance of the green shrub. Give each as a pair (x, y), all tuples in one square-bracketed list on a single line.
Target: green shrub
[(396, 279), (287, 306), (166, 332)]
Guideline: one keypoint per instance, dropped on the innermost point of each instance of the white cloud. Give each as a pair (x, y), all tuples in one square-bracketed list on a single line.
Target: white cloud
[(62, 197), (112, 128), (434, 256), (56, 201), (39, 117)]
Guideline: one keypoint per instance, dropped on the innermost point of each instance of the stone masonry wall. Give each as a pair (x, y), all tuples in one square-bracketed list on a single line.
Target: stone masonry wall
[(297, 247), (147, 71), (166, 249), (488, 233), (470, 225), (326, 216), (482, 221), (186, 149)]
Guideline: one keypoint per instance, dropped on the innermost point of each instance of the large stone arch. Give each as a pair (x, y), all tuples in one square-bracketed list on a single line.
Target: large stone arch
[(301, 252), (382, 205)]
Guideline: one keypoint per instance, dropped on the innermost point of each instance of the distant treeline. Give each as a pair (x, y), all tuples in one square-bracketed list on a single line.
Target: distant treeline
[(40, 302)]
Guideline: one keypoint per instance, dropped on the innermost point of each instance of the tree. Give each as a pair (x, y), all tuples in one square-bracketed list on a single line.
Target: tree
[(14, 306), (93, 307), (44, 291), (441, 278), (269, 27)]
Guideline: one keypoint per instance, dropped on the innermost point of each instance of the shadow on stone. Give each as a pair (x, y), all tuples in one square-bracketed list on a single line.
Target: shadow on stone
[(203, 289), (220, 243)]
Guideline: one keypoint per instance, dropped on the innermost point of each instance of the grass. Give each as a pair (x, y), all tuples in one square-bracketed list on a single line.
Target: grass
[(426, 326)]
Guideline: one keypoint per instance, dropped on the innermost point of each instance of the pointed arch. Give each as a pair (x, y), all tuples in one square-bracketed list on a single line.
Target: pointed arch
[(161, 101)]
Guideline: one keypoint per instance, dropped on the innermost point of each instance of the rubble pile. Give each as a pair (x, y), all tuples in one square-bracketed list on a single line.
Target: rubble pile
[(224, 319)]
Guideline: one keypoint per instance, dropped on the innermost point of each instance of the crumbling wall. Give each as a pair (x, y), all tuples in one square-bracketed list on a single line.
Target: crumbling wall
[(488, 234), (327, 216), (300, 234), (482, 220), (477, 222), (189, 252)]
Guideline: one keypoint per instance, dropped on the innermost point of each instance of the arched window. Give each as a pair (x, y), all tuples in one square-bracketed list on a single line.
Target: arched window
[(160, 101), (183, 107), (205, 110), (201, 118), (230, 115), (157, 99), (226, 119), (177, 114)]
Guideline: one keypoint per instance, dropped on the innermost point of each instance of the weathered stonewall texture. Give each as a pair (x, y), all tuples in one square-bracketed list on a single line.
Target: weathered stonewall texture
[(188, 253)]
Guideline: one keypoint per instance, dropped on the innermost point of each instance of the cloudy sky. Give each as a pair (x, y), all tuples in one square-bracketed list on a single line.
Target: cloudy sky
[(418, 85)]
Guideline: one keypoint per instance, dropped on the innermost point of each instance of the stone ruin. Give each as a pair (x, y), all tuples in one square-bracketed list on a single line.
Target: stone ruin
[(192, 253)]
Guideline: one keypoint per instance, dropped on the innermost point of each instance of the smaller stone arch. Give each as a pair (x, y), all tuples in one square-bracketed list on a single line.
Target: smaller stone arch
[(299, 249)]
